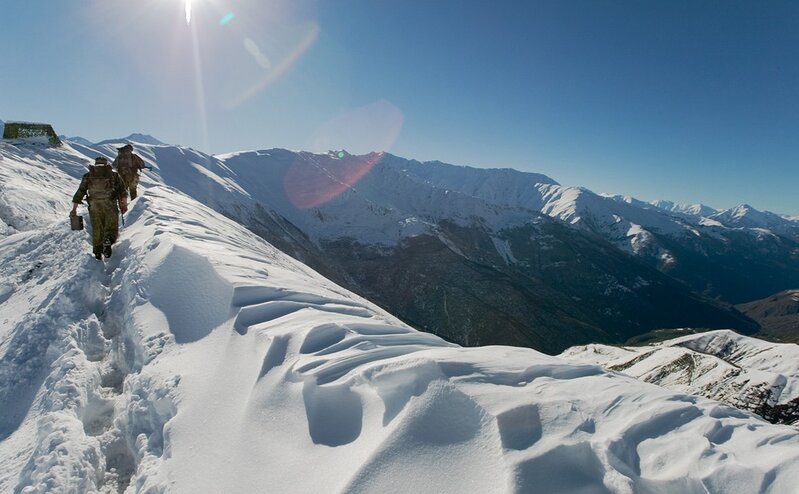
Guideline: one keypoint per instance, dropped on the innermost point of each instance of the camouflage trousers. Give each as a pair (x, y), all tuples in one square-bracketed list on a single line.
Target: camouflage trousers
[(131, 183), (105, 223)]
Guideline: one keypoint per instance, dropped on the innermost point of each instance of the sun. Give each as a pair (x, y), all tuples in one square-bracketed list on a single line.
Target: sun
[(187, 4)]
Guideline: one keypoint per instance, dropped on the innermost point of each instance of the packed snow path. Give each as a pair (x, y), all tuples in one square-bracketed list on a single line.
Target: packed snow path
[(201, 359), (63, 364)]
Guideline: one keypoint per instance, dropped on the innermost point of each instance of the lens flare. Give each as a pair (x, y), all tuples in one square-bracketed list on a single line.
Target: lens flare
[(372, 127), (278, 69), (314, 180), (227, 18), (253, 49)]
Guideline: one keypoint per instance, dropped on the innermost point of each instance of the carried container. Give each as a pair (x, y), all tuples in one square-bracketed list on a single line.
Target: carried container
[(75, 221)]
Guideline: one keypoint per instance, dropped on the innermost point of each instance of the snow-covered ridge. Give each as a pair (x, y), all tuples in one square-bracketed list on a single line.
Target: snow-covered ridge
[(502, 187), (200, 359), (745, 372), (626, 222), (745, 216), (368, 198), (696, 210)]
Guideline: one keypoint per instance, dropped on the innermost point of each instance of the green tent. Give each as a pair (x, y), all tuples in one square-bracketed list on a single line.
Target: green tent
[(27, 130)]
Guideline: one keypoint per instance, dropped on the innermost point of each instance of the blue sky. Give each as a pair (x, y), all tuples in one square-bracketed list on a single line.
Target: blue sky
[(690, 101)]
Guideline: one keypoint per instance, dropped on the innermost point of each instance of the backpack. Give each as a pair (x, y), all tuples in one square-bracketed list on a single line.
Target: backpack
[(100, 184), (125, 164)]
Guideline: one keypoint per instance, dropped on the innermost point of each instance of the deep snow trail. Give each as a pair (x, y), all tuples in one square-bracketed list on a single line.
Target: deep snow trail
[(59, 375)]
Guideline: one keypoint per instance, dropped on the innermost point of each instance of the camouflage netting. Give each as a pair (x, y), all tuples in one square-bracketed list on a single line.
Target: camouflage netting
[(25, 130)]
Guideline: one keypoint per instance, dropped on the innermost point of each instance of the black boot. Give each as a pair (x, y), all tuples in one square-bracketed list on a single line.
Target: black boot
[(98, 253), (107, 247)]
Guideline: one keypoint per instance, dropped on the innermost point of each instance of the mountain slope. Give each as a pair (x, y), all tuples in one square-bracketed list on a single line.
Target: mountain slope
[(745, 372), (201, 359), (778, 316)]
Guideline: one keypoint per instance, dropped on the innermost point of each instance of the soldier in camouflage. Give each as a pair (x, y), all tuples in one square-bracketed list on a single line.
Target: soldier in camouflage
[(128, 166), (107, 196)]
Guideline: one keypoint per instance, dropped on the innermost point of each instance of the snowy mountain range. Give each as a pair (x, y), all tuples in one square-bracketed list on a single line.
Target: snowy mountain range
[(200, 358), (477, 256), (740, 254), (455, 250)]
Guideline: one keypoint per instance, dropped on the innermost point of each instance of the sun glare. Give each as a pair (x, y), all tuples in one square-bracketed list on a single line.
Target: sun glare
[(187, 3)]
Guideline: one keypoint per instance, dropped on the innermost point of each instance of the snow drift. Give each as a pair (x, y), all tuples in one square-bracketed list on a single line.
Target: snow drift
[(201, 359)]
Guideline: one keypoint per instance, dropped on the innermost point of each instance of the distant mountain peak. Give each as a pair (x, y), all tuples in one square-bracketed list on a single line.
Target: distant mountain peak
[(145, 139), (740, 212), (76, 139), (135, 137)]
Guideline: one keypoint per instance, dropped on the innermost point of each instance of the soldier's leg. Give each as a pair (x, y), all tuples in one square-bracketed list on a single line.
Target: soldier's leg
[(112, 225), (97, 231), (110, 228), (132, 186)]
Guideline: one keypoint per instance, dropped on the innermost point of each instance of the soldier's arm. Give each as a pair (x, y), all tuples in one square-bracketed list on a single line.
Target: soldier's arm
[(139, 162), (122, 193), (119, 187), (81, 193)]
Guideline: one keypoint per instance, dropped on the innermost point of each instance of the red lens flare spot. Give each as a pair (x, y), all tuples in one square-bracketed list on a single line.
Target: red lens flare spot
[(315, 179)]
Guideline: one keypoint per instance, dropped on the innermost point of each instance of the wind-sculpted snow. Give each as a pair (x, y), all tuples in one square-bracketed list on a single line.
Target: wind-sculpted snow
[(201, 359)]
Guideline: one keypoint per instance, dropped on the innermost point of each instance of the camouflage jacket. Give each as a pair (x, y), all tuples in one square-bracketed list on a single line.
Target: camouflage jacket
[(101, 184), (128, 164)]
